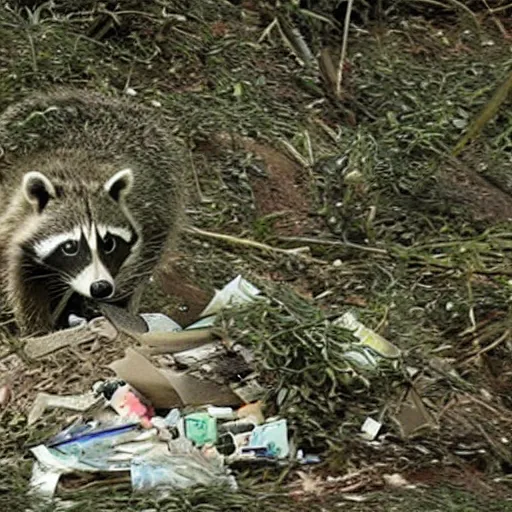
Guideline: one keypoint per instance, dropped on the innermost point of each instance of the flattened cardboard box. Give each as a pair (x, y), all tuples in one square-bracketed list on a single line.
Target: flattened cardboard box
[(167, 388)]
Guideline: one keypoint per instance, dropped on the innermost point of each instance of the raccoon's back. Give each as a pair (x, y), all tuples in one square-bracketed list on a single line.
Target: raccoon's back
[(107, 127)]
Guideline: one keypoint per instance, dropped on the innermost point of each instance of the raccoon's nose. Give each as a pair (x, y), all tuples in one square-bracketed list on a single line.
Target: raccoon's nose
[(101, 289)]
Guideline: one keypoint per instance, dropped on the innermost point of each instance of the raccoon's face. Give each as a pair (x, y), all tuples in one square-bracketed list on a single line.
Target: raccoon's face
[(85, 233)]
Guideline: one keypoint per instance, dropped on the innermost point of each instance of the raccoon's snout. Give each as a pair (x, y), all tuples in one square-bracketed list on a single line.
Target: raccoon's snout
[(101, 289)]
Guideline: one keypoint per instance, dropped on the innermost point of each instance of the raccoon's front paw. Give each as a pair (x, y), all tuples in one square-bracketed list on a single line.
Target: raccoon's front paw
[(75, 320)]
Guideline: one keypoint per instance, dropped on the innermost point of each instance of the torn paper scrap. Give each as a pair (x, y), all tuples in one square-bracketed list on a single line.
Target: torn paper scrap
[(45, 401), (237, 291), (44, 480)]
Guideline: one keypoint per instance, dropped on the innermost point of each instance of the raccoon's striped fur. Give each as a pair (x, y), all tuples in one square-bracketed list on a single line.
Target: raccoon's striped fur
[(90, 195)]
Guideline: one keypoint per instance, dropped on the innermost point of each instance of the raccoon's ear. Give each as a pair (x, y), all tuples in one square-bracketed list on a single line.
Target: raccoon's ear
[(119, 186), (37, 189)]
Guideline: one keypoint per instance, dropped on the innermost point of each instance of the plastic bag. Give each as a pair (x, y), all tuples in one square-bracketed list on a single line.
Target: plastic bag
[(180, 465)]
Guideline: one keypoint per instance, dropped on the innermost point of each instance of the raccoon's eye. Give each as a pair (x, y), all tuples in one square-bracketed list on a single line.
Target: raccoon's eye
[(70, 248), (109, 244)]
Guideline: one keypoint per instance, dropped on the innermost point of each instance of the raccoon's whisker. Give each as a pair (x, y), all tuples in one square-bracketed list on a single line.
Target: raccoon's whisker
[(63, 276), (134, 274), (51, 271), (56, 294), (148, 258), (154, 246), (54, 283), (127, 273), (39, 277), (146, 268), (117, 298), (26, 265), (59, 285), (128, 283), (135, 270)]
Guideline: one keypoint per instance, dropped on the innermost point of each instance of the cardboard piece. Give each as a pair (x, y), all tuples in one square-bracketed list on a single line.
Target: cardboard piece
[(166, 389), (46, 401), (122, 319), (174, 342), (98, 328), (195, 391), (413, 415), (206, 353)]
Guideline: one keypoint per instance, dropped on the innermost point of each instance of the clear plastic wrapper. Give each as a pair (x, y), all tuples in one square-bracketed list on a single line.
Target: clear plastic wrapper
[(178, 465)]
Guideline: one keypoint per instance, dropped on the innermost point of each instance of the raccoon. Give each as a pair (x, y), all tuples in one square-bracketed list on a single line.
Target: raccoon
[(91, 196)]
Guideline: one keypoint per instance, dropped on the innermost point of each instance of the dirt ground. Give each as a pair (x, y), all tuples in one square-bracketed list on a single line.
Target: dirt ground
[(389, 223)]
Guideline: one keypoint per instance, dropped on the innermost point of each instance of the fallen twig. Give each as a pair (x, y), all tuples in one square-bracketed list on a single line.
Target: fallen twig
[(202, 198), (497, 22), (295, 41), (343, 48), (327, 69), (336, 243), (266, 32), (501, 8), (457, 4), (252, 243), (295, 154), (488, 348), (487, 113)]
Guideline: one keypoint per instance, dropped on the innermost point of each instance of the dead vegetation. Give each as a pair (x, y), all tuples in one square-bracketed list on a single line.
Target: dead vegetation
[(363, 176)]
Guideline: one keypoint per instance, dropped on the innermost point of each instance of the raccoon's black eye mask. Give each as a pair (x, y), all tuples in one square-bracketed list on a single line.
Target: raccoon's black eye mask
[(114, 250), (73, 255), (70, 257)]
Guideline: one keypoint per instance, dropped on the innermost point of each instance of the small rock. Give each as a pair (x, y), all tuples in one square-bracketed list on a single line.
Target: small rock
[(371, 428), (353, 177), (396, 480), (460, 123), (486, 395), (5, 395)]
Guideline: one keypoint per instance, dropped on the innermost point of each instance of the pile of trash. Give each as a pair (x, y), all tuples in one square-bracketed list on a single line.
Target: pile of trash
[(179, 450), (186, 421), (162, 427)]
